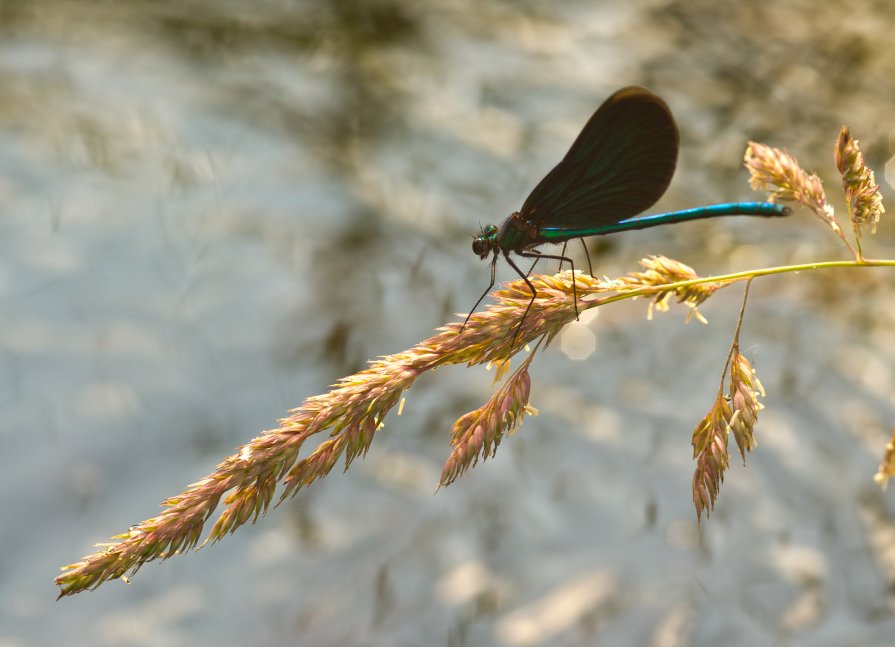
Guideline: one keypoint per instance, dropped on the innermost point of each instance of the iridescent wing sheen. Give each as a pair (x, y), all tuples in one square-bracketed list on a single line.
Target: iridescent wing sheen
[(619, 165)]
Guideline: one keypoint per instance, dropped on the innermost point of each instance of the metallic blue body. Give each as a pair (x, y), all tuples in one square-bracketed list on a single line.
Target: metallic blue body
[(767, 209)]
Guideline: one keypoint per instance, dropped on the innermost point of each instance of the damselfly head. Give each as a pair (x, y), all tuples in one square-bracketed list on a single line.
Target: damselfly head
[(482, 245)]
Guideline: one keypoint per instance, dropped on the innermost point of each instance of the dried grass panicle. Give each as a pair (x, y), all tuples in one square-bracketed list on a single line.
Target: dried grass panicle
[(887, 467), (351, 413), (745, 389), (478, 433), (659, 271), (712, 458), (777, 172), (865, 204)]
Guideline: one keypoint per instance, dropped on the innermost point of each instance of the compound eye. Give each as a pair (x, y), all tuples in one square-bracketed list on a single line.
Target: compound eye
[(478, 246)]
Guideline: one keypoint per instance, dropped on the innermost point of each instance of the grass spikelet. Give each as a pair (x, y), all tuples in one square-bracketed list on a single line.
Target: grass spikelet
[(659, 271), (478, 433), (710, 451), (778, 173), (744, 391), (865, 204)]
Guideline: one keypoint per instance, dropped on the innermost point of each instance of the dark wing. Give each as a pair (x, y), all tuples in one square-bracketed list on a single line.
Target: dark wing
[(620, 165)]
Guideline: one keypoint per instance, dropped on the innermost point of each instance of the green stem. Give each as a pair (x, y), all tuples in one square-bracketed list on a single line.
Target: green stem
[(735, 344), (741, 276)]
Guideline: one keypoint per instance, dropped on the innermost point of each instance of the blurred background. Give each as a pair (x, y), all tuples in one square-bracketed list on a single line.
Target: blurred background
[(210, 211)]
